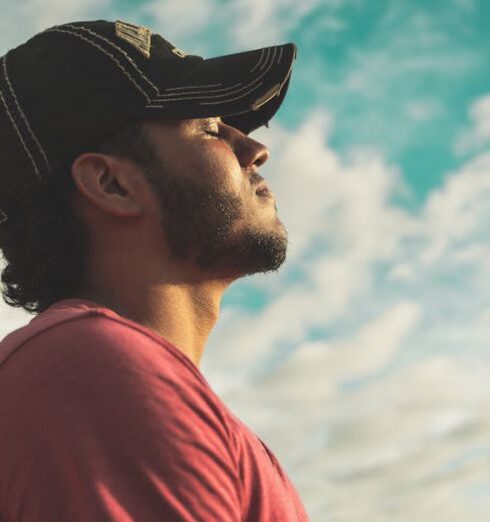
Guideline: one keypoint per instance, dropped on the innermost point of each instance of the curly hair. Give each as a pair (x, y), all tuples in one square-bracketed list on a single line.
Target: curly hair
[(43, 241)]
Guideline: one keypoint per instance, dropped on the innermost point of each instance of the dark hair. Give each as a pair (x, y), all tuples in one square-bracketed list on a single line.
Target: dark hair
[(44, 242)]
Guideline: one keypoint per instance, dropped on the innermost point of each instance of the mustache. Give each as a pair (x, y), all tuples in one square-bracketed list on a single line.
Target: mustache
[(255, 179)]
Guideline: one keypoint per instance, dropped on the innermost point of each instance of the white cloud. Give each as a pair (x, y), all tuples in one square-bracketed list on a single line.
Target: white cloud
[(424, 109), (246, 24), (401, 272), (269, 21), (21, 20), (377, 341), (11, 318), (408, 438), (459, 212), (479, 133), (171, 18)]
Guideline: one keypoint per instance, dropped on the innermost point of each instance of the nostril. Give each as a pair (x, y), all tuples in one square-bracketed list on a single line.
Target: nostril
[(262, 156)]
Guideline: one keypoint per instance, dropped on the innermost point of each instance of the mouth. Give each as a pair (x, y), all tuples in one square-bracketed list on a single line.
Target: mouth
[(264, 191)]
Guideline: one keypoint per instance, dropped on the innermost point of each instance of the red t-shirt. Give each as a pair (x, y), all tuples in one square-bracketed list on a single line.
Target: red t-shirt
[(101, 419)]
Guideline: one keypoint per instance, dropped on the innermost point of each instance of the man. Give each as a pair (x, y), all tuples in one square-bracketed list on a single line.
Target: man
[(131, 199)]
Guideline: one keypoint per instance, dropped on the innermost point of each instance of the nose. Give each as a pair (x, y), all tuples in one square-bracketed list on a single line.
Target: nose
[(251, 152)]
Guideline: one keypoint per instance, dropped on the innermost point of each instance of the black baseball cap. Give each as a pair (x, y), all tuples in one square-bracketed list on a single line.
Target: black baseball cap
[(72, 85)]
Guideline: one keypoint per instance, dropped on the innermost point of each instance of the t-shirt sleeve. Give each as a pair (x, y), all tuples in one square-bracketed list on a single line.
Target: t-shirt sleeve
[(106, 424)]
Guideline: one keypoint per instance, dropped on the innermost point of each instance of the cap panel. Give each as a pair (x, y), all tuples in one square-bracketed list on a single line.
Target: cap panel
[(156, 72), (77, 90), (92, 40)]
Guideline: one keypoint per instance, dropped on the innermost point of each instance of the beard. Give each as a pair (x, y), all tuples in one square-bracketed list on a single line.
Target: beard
[(200, 226)]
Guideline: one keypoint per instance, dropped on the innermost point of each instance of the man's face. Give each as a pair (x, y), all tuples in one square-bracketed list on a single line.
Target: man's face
[(205, 186)]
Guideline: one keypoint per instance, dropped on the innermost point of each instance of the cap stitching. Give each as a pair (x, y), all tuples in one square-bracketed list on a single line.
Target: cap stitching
[(233, 88), (210, 91), (4, 60), (192, 86), (262, 65), (108, 53), (230, 94), (153, 106), (259, 62), (130, 60), (36, 170), (280, 55), (269, 49), (235, 98)]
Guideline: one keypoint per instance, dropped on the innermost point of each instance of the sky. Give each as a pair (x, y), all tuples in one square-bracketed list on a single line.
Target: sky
[(364, 362)]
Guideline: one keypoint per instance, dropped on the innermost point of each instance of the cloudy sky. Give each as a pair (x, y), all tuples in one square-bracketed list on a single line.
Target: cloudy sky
[(364, 363)]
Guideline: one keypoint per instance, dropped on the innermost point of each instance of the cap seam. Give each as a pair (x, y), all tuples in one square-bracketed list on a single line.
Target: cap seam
[(19, 134), (191, 86), (13, 109), (22, 114), (211, 91), (280, 55), (113, 44), (262, 65), (107, 53), (260, 60), (236, 97)]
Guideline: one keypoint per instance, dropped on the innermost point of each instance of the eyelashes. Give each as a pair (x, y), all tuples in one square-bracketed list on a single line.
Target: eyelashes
[(214, 133)]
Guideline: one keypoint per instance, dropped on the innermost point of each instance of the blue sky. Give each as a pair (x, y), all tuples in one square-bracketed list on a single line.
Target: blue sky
[(364, 362)]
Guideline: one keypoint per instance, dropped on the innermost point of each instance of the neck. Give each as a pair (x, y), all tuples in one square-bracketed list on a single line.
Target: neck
[(182, 313)]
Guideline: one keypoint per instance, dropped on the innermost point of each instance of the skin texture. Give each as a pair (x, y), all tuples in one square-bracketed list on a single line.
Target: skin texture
[(163, 252)]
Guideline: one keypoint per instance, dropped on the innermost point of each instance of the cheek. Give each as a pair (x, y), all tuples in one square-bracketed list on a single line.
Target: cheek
[(220, 168)]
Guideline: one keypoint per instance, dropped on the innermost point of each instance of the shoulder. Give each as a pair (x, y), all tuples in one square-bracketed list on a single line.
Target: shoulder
[(94, 393), (101, 359), (90, 336)]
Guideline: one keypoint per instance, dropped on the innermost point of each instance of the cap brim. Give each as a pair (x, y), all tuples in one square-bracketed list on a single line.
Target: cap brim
[(245, 89)]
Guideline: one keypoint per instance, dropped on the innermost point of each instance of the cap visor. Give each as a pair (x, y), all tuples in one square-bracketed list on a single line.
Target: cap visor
[(244, 89)]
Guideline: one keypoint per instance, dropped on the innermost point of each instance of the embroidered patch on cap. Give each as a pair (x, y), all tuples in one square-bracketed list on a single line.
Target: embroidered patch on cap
[(274, 91), (136, 35)]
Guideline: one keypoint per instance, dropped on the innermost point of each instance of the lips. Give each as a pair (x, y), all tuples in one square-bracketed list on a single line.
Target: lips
[(265, 194), (263, 190)]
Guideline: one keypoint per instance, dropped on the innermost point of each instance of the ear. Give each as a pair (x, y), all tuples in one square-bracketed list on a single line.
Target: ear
[(108, 182)]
